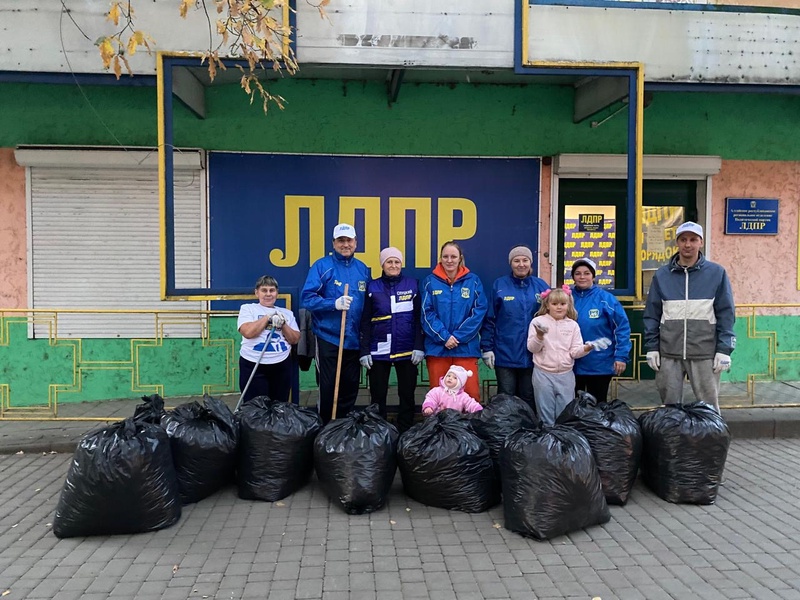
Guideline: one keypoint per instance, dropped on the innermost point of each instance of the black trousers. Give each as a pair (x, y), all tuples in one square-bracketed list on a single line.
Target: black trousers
[(274, 381), (596, 385), (406, 385), (327, 355)]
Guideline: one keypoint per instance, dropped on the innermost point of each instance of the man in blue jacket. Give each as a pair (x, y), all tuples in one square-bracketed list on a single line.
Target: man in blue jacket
[(688, 322), (323, 296)]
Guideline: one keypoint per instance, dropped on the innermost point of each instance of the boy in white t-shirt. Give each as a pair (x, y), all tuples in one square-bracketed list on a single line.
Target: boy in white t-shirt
[(273, 375)]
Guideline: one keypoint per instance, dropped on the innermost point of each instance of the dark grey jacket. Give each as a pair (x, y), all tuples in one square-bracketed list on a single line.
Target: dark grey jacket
[(690, 312)]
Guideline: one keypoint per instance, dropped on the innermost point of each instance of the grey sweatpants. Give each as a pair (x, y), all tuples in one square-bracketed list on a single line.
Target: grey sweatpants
[(552, 391), (705, 383)]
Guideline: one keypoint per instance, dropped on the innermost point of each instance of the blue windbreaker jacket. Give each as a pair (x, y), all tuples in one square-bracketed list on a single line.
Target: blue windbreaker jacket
[(457, 310), (601, 315), (514, 302), (324, 284), (690, 312), (390, 328)]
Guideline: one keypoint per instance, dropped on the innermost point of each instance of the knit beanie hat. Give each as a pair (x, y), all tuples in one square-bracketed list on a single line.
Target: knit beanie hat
[(586, 262), (520, 251), (461, 374), (391, 252)]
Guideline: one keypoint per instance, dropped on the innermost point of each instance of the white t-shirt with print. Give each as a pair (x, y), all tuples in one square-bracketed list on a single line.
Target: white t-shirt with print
[(279, 348)]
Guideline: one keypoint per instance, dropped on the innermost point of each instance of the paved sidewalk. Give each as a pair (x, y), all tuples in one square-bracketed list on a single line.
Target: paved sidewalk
[(745, 546)]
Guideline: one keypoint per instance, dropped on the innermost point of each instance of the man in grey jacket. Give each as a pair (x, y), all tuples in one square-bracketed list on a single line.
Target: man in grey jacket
[(688, 322)]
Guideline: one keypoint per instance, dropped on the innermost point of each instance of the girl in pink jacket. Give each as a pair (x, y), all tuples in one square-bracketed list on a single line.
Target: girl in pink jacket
[(450, 394), (555, 340)]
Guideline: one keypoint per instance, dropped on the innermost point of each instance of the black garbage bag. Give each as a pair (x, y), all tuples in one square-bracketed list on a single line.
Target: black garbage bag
[(121, 481), (443, 463), (550, 483), (355, 458), (276, 448), (615, 438), (151, 410), (503, 415), (204, 438), (684, 452)]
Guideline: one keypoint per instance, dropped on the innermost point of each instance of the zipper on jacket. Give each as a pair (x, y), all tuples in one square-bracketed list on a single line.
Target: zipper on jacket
[(685, 308)]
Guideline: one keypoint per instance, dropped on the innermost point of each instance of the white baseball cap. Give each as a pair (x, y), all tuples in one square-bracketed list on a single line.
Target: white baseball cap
[(344, 230), (689, 227)]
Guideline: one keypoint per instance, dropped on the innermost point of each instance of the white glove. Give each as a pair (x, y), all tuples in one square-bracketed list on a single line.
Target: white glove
[(654, 360), (488, 359), (540, 325), (277, 320), (722, 362), (600, 343), (366, 361), (417, 356), (343, 302)]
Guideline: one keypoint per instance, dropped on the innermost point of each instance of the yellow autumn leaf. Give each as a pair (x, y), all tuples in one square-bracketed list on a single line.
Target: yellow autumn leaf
[(127, 66), (113, 13), (106, 52), (186, 5), (117, 67), (138, 38)]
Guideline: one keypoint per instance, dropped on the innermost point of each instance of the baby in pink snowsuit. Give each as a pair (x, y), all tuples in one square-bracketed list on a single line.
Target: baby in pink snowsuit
[(450, 394)]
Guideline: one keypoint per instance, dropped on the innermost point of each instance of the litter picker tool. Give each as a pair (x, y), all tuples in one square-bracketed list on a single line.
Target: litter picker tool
[(258, 362), (339, 358)]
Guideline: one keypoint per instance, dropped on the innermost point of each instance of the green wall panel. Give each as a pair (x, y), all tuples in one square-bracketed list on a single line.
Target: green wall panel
[(28, 367), (436, 119)]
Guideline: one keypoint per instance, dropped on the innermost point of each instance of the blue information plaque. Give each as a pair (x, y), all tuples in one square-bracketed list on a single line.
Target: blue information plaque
[(751, 216)]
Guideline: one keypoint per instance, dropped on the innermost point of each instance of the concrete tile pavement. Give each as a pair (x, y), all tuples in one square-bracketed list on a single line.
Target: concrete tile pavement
[(745, 546)]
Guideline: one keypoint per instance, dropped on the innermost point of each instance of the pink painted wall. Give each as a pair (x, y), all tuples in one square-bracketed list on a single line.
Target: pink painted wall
[(13, 234), (762, 268)]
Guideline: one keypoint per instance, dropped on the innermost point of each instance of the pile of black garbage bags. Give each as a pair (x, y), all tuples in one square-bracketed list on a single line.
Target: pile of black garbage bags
[(135, 475)]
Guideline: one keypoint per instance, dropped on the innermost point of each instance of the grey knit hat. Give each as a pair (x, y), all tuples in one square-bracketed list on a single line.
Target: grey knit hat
[(520, 251)]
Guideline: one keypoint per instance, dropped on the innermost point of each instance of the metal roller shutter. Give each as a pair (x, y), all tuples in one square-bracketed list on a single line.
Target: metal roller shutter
[(94, 239)]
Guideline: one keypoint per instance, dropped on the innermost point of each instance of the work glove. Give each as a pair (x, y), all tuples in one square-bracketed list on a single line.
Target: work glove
[(654, 360), (540, 325), (344, 302), (722, 362), (488, 359), (417, 356), (366, 361), (600, 343), (277, 320)]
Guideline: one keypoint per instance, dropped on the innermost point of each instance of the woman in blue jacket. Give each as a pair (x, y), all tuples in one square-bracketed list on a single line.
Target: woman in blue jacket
[(453, 308), (514, 302), (391, 335), (600, 315)]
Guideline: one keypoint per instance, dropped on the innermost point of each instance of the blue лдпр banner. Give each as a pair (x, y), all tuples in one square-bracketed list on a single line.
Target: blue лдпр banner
[(274, 213)]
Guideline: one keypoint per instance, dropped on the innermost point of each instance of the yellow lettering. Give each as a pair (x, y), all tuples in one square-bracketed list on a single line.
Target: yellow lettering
[(595, 254), (370, 246), (595, 235), (421, 232), (292, 207), (587, 244), (578, 236), (569, 244), (447, 229)]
